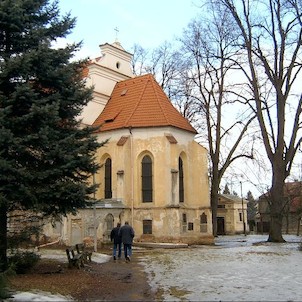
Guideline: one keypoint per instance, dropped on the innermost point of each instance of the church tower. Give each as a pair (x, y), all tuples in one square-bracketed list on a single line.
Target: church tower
[(113, 66)]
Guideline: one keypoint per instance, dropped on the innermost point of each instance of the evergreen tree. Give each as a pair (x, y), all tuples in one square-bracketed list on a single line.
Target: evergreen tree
[(226, 190), (251, 210), (46, 158)]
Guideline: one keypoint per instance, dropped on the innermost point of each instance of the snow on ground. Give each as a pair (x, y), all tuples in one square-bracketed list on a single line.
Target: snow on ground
[(38, 296), (236, 268), (45, 296), (61, 255), (232, 270)]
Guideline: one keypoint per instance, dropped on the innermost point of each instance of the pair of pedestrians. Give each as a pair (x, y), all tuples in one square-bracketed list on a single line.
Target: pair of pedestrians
[(122, 235)]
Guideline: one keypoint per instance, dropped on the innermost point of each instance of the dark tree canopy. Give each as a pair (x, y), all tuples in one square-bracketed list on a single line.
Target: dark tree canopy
[(226, 190), (46, 158), (251, 206)]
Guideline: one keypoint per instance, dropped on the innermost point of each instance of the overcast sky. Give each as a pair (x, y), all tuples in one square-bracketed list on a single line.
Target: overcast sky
[(144, 22), (148, 23)]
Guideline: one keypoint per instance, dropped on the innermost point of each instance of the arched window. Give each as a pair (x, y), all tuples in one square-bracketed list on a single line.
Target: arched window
[(147, 185), (109, 224), (108, 178), (181, 180), (203, 218), (203, 223)]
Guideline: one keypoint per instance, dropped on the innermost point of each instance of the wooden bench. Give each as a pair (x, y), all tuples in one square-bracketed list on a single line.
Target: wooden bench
[(82, 250), (74, 259)]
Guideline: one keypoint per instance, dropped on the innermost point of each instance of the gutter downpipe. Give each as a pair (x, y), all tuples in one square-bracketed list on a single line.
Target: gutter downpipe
[(132, 175), (243, 216), (94, 219)]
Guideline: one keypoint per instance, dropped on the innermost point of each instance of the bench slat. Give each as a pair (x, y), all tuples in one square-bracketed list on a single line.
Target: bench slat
[(74, 259), (81, 249)]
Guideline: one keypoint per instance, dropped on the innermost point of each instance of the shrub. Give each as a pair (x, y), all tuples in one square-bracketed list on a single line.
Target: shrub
[(29, 236), (21, 262), (3, 287), (4, 292)]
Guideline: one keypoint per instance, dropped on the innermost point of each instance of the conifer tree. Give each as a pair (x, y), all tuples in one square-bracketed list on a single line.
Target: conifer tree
[(46, 158), (251, 210), (226, 189)]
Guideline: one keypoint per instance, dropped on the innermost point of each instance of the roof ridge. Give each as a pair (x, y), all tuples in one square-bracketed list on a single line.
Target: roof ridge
[(147, 75), (137, 103), (143, 104), (155, 86)]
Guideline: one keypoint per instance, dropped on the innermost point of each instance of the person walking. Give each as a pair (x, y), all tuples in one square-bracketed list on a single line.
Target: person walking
[(117, 242), (126, 233)]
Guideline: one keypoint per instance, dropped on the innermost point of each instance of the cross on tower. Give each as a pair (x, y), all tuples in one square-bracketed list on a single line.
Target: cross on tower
[(116, 33)]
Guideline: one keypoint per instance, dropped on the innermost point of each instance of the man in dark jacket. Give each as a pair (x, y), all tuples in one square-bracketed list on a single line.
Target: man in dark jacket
[(117, 242), (126, 233)]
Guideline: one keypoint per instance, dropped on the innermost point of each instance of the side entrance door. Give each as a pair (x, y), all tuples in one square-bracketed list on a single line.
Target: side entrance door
[(220, 226)]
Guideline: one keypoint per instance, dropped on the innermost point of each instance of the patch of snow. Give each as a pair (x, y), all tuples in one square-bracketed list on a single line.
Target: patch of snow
[(45, 296), (161, 245), (61, 256), (38, 296), (235, 269)]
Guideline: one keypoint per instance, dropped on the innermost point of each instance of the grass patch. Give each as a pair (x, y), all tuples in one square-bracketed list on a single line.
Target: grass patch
[(179, 293)]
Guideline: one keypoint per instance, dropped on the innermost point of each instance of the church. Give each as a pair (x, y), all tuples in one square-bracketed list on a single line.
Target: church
[(153, 173)]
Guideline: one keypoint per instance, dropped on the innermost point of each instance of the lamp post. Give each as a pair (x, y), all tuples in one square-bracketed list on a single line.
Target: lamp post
[(242, 206), (132, 176)]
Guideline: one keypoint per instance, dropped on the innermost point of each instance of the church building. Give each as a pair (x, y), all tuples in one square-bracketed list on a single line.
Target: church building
[(153, 173)]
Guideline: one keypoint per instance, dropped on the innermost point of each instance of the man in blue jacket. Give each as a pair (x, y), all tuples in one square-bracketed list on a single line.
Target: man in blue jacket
[(126, 233), (117, 242)]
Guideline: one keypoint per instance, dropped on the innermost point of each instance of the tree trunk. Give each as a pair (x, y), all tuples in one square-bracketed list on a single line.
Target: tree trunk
[(275, 233), (3, 238), (276, 210), (287, 223), (214, 206)]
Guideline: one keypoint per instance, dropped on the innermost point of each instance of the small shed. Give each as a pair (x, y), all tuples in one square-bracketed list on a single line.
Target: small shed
[(231, 215), (292, 210)]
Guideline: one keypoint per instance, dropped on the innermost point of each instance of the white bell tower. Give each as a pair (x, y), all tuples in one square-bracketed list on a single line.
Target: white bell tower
[(113, 66)]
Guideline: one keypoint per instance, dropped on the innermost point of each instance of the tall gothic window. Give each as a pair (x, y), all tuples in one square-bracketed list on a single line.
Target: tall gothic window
[(147, 185), (181, 180), (108, 179)]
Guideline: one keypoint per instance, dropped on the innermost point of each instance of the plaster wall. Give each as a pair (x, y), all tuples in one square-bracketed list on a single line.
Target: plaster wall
[(166, 212), (231, 215)]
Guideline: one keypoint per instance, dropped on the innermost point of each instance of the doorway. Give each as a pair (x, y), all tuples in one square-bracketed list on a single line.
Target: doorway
[(220, 226)]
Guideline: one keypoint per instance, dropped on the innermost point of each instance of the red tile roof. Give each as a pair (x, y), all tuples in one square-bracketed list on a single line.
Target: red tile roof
[(292, 193), (137, 103)]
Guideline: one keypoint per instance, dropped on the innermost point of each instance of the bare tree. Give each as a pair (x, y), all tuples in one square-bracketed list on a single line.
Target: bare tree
[(163, 63), (139, 60), (184, 101), (271, 41), (209, 53)]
